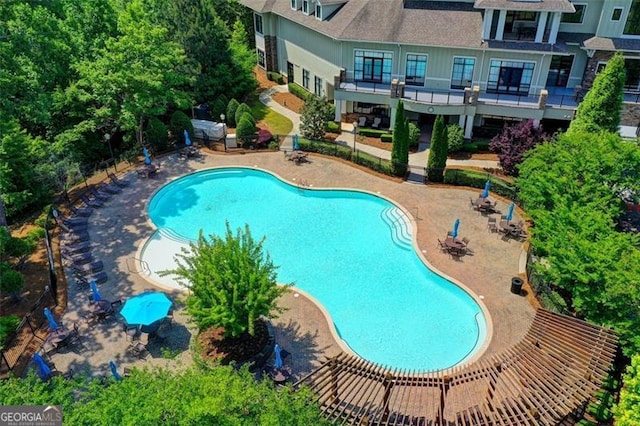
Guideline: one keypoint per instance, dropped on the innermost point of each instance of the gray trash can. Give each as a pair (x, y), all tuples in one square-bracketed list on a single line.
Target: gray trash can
[(516, 285)]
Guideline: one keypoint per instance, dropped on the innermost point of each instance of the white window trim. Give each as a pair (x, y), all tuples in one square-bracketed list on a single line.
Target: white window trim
[(623, 20), (534, 78), (426, 70), (584, 13), (255, 17), (311, 9), (453, 60), (621, 9), (297, 7), (318, 16)]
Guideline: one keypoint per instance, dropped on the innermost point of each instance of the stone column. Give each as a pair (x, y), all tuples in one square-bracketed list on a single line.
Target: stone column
[(542, 100), (474, 99)]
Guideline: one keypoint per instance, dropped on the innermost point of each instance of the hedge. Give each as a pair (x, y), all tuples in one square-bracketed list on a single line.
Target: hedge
[(340, 151), (299, 91), (477, 179), (332, 127), (475, 146), (372, 133), (388, 137), (274, 76)]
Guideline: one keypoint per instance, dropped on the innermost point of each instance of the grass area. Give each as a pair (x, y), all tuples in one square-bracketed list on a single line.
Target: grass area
[(276, 123)]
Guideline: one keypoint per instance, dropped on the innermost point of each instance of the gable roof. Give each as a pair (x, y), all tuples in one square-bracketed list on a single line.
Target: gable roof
[(433, 23), (531, 5)]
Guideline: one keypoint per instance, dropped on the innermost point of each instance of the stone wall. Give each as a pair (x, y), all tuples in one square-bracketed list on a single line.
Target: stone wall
[(592, 67), (630, 114), (271, 53)]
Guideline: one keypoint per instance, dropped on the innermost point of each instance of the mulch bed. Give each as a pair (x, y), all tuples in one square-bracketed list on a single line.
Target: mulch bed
[(232, 349)]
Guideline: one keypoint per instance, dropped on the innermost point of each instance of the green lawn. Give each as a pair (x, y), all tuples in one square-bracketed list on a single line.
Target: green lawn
[(277, 124)]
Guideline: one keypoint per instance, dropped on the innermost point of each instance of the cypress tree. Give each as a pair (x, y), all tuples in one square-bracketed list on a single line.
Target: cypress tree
[(438, 151), (400, 148), (601, 107)]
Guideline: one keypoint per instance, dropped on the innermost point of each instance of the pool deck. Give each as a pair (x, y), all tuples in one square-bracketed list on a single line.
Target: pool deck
[(119, 229)]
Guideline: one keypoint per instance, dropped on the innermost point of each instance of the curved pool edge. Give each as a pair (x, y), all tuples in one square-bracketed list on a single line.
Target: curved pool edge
[(474, 354)]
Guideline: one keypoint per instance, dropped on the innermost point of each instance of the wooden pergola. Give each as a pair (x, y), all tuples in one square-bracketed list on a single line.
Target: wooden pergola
[(550, 375)]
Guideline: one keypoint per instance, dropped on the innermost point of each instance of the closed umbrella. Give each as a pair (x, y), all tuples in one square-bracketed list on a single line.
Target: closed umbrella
[(44, 371), (114, 371), (145, 152), (296, 145), (278, 356), (53, 325), (454, 231), (95, 292), (485, 193), (187, 139), (509, 215), (146, 308)]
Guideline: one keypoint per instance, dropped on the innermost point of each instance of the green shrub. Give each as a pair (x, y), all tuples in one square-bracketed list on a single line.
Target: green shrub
[(274, 76), (332, 127), (178, 123), (11, 281), (157, 135), (387, 137), (372, 133), (274, 146), (219, 107), (476, 146), (248, 116), (476, 179), (232, 106), (34, 235), (245, 127), (455, 136), (299, 91), (7, 325), (414, 134), (241, 110), (340, 151)]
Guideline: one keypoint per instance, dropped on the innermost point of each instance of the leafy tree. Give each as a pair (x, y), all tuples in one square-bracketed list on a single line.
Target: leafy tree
[(244, 58), (314, 116), (438, 151), (400, 148), (7, 325), (627, 411), (571, 189), (216, 396), (241, 110), (246, 127), (455, 138), (514, 142), (414, 135), (601, 107), (219, 107), (178, 123), (157, 135), (232, 106), (59, 173), (231, 11), (11, 281), (137, 75), (231, 281)]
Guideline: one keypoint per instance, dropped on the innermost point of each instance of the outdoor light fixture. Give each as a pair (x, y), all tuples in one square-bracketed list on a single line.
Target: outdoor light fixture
[(355, 135), (107, 138), (224, 129)]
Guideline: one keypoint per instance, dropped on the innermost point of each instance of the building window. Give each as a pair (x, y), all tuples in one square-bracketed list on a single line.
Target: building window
[(524, 16), (305, 78), (306, 6), (319, 11), (371, 66), (601, 66), (257, 22), (416, 70), (294, 4), (577, 17), (462, 75), (617, 14), (632, 27), (559, 71), (632, 68), (290, 73), (317, 88), (261, 60), (510, 77)]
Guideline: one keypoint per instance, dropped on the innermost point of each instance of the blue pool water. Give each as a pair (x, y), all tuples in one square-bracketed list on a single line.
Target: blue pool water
[(350, 250)]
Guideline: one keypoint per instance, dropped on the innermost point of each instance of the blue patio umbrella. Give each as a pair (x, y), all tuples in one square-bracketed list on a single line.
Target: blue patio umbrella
[(53, 325), (147, 159), (296, 145), (146, 308), (44, 371), (95, 292), (278, 356), (454, 232), (187, 139), (509, 215), (114, 371), (485, 193)]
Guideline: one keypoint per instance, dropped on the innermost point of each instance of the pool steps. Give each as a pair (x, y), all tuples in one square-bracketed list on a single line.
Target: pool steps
[(400, 227)]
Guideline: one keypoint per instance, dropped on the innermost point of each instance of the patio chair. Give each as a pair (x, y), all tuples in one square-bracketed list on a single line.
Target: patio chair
[(443, 247), (89, 202), (88, 268), (139, 350), (75, 248), (74, 221), (109, 188), (99, 195), (130, 332), (116, 305), (376, 122), (100, 277), (362, 121), (80, 212), (122, 183), (492, 226), (472, 204), (74, 237), (465, 241), (80, 259)]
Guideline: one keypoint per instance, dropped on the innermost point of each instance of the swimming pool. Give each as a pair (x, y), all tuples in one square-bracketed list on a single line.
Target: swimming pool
[(351, 251)]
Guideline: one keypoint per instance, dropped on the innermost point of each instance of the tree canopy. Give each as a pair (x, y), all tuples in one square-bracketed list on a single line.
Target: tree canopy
[(400, 148), (514, 142), (231, 281), (315, 114), (627, 411), (572, 189), (600, 110)]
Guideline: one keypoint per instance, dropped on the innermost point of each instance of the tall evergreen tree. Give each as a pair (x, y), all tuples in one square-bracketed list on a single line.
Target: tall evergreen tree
[(400, 148), (601, 107), (438, 151)]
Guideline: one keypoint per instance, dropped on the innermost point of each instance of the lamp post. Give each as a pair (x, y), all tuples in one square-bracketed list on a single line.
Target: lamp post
[(224, 129), (355, 136), (107, 138)]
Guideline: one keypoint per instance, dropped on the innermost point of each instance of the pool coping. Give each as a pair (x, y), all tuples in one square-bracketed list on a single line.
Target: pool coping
[(477, 351)]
